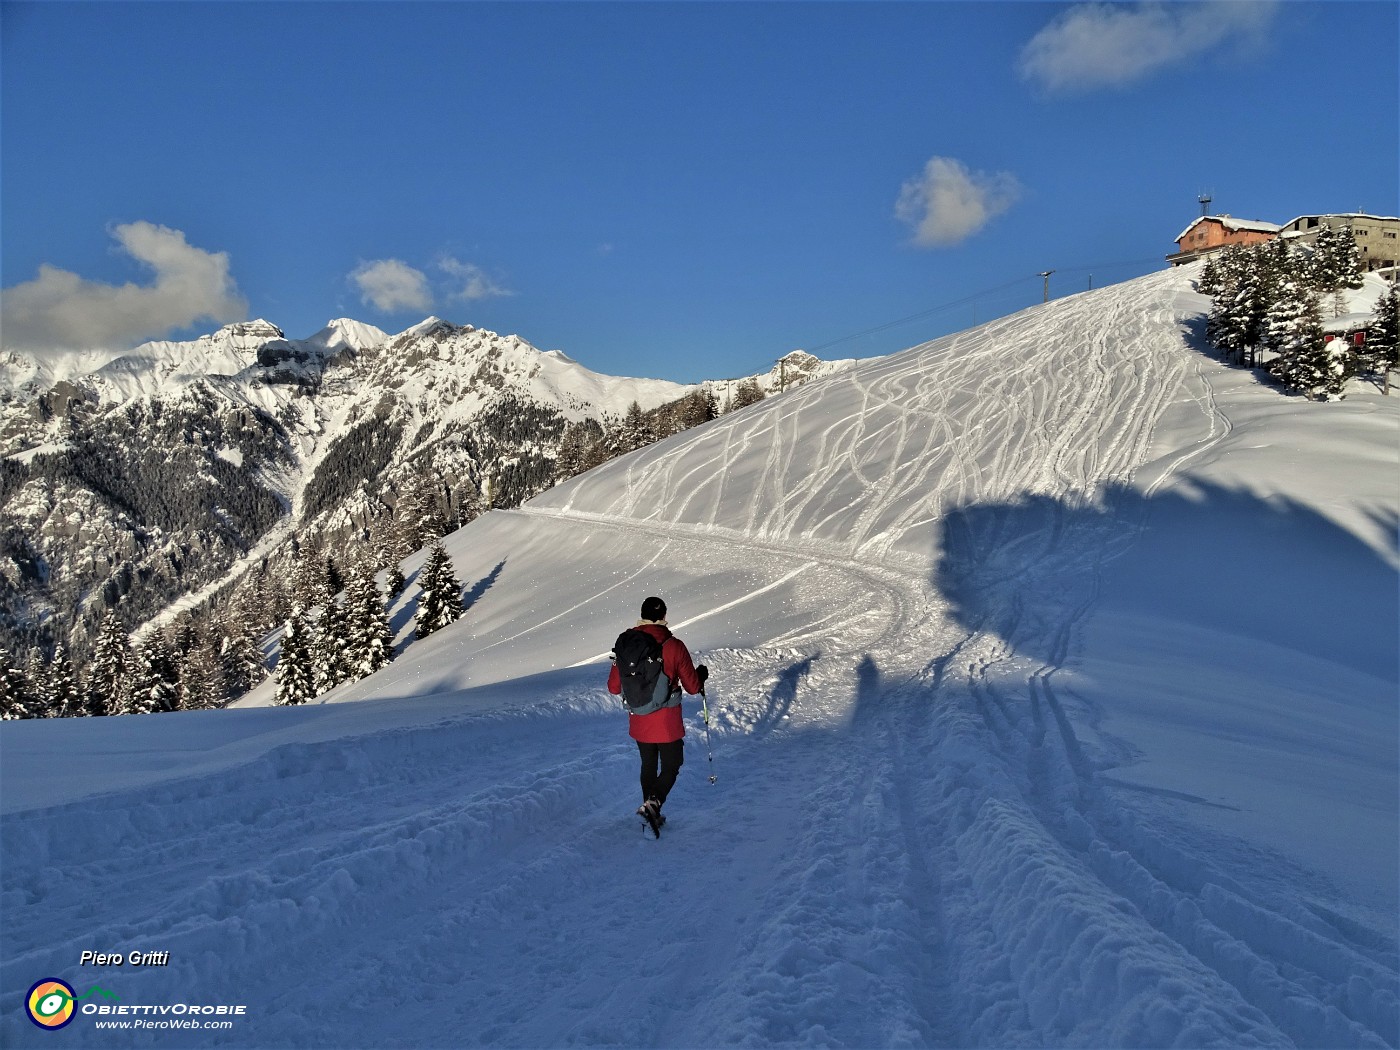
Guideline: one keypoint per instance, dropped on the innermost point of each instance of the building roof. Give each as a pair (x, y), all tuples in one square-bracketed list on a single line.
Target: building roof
[(1344, 215), (1231, 223), (1347, 322)]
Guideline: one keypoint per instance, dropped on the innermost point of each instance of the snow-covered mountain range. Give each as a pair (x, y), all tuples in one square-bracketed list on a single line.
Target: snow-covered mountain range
[(256, 356), (138, 478), (1053, 702)]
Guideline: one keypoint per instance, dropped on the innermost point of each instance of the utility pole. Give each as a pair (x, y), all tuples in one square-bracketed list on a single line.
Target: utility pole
[(1046, 274)]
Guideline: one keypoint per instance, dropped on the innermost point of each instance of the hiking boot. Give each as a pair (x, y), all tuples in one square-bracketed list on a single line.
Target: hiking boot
[(651, 813)]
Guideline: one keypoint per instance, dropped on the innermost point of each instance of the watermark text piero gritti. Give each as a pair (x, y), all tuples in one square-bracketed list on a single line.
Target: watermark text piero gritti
[(129, 959)]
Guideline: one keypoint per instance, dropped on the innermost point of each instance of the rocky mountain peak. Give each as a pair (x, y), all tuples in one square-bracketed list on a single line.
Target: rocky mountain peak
[(250, 331)]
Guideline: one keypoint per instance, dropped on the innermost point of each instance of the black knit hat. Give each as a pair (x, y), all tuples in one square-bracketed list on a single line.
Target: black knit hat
[(653, 609)]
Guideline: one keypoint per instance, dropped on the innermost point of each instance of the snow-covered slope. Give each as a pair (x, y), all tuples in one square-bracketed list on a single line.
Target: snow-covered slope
[(1053, 703)]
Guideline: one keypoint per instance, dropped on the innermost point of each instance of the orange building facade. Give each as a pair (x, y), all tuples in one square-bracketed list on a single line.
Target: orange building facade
[(1211, 233)]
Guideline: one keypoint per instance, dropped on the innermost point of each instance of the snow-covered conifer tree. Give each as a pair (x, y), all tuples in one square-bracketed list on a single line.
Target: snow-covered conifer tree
[(416, 517), (1294, 332), (1338, 365), (383, 542), (1250, 281), (60, 695), (330, 650), (1335, 264), (572, 458), (240, 649), (440, 600), (335, 582), (202, 682), (746, 393), (695, 408), (309, 579), (1228, 323), (183, 638), (156, 681), (14, 689), (36, 676), (369, 640), (1383, 335), (271, 599), (296, 676), (110, 673), (1209, 281), (635, 431), (253, 602), (469, 505)]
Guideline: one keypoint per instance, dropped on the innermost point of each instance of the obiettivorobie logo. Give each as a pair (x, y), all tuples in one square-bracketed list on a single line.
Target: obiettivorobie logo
[(50, 1003), (53, 1004)]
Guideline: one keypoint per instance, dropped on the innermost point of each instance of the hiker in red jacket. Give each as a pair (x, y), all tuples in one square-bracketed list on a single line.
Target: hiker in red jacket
[(660, 734)]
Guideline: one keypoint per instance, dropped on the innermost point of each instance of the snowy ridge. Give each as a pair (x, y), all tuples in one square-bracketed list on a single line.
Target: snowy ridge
[(1016, 742), (162, 366), (445, 352), (233, 352)]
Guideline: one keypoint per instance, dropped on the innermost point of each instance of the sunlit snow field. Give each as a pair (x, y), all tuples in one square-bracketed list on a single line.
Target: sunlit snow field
[(1054, 702)]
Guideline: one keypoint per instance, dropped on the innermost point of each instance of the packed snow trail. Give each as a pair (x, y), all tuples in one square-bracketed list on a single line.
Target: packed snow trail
[(898, 853), (924, 831)]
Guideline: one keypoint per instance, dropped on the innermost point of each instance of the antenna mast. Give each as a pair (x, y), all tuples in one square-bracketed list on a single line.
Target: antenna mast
[(1204, 201)]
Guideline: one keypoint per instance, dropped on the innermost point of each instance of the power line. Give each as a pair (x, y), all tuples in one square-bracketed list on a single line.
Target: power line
[(969, 299), (1153, 260), (964, 301)]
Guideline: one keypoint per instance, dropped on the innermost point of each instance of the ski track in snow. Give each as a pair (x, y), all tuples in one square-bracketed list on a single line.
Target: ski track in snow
[(909, 843), (910, 441)]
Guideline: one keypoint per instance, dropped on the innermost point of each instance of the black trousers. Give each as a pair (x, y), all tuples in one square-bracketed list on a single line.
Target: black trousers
[(660, 765)]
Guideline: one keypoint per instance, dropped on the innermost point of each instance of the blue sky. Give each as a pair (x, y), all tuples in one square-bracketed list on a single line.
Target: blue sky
[(681, 190)]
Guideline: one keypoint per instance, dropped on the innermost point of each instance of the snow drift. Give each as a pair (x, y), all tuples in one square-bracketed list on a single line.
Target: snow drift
[(1053, 694)]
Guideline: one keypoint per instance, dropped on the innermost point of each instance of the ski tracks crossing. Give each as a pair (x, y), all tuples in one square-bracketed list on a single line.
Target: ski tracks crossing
[(909, 843), (1049, 906)]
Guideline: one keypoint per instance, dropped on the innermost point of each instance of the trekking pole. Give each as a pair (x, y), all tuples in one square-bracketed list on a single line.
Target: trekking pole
[(709, 750)]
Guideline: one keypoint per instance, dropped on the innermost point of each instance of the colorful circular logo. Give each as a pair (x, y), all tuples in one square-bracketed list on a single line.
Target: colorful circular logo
[(50, 1003)]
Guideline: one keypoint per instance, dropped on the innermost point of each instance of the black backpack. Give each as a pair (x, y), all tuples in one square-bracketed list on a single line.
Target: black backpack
[(645, 687)]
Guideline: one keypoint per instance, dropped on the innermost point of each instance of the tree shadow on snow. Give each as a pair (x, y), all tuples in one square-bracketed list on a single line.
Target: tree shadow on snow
[(1209, 556), (470, 595)]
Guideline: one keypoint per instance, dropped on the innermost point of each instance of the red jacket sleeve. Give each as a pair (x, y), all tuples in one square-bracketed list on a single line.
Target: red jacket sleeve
[(676, 662), (615, 679)]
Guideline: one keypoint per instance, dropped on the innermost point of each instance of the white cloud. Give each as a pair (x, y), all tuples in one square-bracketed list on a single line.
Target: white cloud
[(475, 283), (1100, 45), (948, 203), (390, 285), (59, 310)]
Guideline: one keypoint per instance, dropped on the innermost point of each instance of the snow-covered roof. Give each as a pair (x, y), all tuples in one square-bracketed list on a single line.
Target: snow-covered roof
[(1347, 322), (1231, 223), (1345, 215)]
